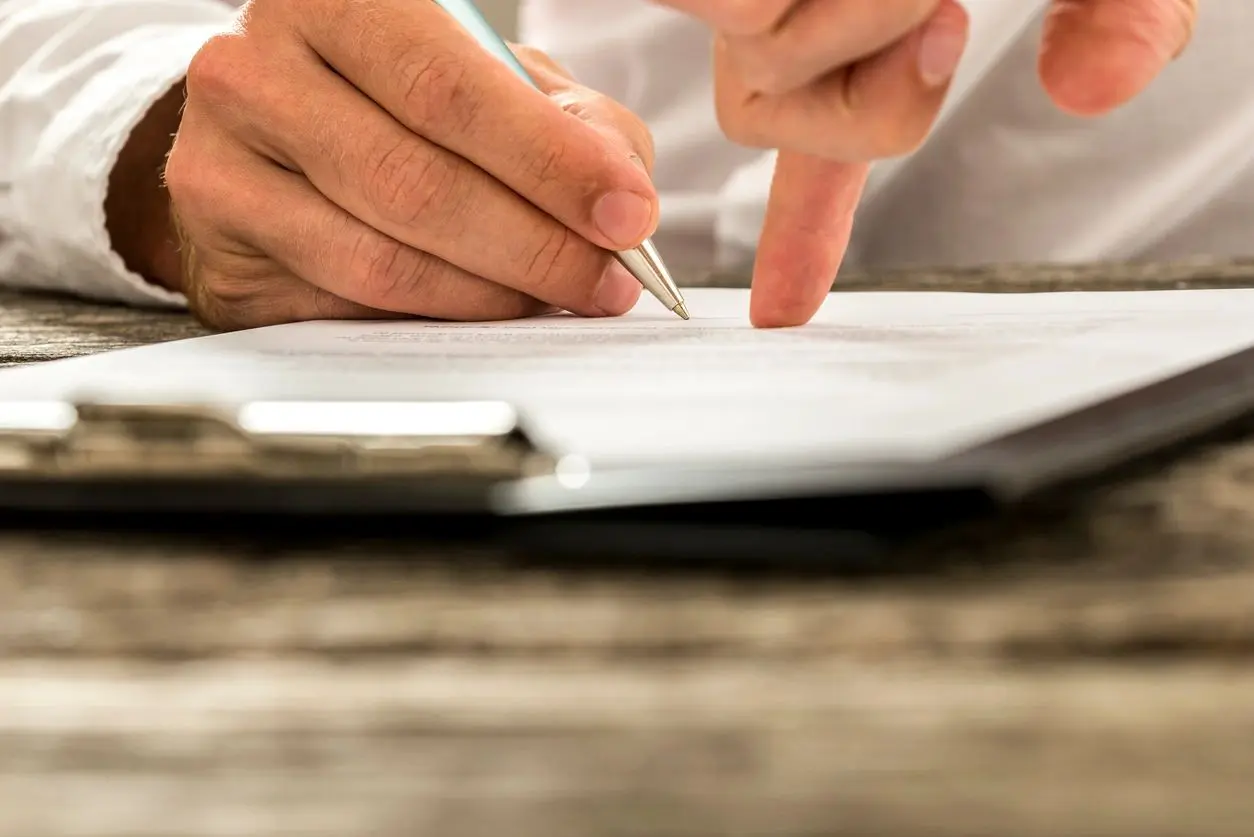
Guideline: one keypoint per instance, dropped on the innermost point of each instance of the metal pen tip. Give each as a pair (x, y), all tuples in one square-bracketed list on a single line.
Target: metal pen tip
[(646, 265)]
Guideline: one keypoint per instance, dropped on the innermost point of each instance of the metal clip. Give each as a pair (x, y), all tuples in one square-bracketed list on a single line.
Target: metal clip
[(285, 440)]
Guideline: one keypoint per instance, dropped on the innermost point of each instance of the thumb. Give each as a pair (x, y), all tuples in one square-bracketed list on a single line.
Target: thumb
[(1099, 54), (809, 219)]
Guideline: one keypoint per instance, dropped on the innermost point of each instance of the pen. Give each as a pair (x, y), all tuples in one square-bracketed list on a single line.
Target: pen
[(644, 262)]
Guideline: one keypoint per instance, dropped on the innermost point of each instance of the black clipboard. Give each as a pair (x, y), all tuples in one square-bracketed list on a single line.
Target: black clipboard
[(111, 459)]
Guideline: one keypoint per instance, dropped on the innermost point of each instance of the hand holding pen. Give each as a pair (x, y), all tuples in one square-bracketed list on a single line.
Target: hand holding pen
[(339, 159)]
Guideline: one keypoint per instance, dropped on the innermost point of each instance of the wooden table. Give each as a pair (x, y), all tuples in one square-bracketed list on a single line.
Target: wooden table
[(1078, 669)]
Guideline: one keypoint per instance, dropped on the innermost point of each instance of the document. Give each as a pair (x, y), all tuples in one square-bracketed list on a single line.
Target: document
[(875, 376)]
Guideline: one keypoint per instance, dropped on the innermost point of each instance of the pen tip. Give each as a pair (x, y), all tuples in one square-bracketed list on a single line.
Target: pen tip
[(682, 311)]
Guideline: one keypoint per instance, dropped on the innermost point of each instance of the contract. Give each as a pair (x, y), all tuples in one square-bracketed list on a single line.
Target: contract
[(875, 376)]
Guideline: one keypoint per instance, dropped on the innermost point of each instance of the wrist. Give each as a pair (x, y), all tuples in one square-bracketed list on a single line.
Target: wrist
[(137, 207)]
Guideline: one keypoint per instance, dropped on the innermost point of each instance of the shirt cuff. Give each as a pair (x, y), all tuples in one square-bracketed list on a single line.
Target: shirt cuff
[(60, 197)]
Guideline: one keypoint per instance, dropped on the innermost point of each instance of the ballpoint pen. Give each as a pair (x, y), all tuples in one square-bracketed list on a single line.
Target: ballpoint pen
[(644, 262)]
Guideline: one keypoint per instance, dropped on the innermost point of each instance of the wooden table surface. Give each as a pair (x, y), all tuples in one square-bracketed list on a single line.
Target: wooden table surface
[(1078, 669)]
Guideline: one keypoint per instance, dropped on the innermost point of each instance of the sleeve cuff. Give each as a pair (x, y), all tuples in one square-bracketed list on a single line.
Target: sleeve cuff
[(60, 199)]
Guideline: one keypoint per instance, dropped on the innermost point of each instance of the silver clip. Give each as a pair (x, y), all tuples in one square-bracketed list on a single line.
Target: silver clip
[(268, 440)]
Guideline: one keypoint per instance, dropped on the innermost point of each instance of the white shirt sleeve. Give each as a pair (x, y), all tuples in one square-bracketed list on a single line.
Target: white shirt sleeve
[(76, 76)]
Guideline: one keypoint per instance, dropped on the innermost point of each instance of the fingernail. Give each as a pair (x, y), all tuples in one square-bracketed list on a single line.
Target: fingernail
[(624, 218), (638, 162), (941, 47), (618, 292)]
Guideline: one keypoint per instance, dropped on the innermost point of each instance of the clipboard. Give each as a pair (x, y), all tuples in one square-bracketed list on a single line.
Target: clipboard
[(477, 461)]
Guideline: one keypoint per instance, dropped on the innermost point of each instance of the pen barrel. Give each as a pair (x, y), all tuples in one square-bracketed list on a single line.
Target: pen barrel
[(646, 265)]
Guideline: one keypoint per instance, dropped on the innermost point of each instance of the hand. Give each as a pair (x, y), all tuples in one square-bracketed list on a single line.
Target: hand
[(340, 159), (835, 84)]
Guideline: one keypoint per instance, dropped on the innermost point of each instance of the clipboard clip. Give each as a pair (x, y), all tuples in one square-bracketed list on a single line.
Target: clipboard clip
[(482, 441)]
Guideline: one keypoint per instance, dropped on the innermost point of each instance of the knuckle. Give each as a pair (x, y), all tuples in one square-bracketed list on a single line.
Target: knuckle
[(554, 268), (189, 179), (870, 123), (324, 305), (737, 122), (548, 161), (601, 111), (579, 103), (738, 110), (769, 79), (408, 185), (893, 134), (219, 71), (759, 65), (632, 127), (436, 88), (386, 270)]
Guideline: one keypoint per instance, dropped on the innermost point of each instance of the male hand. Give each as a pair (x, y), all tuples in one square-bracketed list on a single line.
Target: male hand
[(835, 84), (341, 159)]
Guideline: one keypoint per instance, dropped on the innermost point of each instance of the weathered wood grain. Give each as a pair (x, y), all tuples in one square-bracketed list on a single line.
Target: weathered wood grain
[(1081, 668), (569, 748), (38, 328)]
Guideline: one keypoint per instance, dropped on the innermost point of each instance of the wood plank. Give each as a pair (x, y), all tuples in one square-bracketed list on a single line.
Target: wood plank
[(36, 328), (568, 747), (112, 600)]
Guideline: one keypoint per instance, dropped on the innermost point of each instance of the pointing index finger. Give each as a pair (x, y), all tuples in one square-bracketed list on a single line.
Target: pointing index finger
[(809, 220)]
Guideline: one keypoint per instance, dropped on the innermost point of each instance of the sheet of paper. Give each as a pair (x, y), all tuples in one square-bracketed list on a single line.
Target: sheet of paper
[(876, 375)]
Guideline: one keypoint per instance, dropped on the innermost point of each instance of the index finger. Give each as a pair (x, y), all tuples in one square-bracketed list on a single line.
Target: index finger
[(809, 220), (417, 63), (1096, 55), (738, 17)]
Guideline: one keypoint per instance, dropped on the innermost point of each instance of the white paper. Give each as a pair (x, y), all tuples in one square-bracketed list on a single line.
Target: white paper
[(875, 375)]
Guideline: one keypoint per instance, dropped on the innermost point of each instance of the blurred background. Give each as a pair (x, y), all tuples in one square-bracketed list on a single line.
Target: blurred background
[(503, 14)]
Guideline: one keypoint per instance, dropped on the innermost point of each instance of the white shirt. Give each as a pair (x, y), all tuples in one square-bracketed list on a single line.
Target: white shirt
[(1005, 176)]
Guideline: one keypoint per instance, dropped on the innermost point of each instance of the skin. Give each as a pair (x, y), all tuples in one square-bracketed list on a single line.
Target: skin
[(344, 159), (836, 84), (341, 159)]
